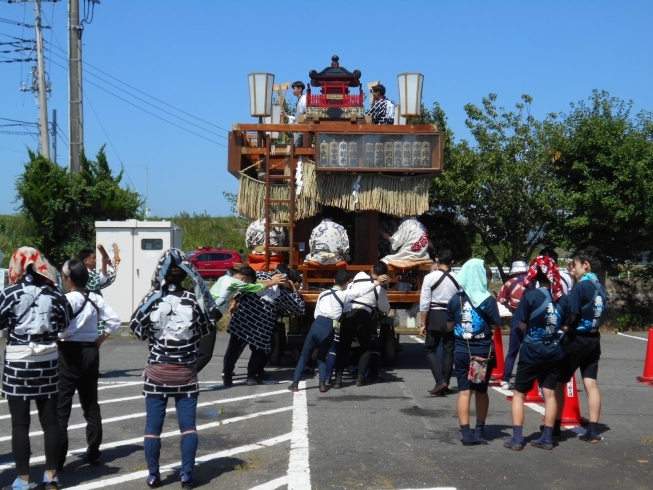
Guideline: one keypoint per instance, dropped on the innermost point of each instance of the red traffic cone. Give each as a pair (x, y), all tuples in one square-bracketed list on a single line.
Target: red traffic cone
[(571, 406), (647, 377), (533, 396), (497, 372)]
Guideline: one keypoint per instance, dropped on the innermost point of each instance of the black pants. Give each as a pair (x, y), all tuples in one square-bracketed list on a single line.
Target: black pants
[(79, 366), (436, 332), (355, 323), (20, 422), (234, 351)]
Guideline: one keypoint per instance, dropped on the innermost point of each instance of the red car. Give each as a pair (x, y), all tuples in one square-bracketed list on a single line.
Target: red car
[(212, 263)]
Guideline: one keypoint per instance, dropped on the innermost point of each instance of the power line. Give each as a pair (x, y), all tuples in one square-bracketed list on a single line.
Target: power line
[(149, 103), (63, 136), (149, 112), (87, 64)]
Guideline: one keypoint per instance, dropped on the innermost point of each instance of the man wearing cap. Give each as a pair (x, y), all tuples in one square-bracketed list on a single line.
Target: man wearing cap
[(382, 110), (509, 296)]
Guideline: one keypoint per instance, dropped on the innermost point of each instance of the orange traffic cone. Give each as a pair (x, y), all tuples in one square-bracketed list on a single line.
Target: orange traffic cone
[(533, 396), (647, 377), (571, 406), (497, 372)]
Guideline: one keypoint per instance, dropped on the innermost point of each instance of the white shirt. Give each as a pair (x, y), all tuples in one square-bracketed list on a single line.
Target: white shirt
[(300, 109), (442, 294), (328, 306), (369, 300), (567, 282), (83, 327)]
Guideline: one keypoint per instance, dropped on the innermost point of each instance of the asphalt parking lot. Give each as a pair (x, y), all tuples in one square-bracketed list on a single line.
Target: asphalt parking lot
[(384, 435)]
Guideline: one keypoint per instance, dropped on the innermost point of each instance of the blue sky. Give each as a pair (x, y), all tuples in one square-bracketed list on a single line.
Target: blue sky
[(195, 55)]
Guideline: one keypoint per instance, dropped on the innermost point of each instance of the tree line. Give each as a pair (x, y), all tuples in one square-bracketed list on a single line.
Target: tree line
[(573, 179)]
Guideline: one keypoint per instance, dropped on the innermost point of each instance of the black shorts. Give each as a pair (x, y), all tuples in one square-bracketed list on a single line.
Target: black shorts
[(584, 352), (461, 369), (546, 374)]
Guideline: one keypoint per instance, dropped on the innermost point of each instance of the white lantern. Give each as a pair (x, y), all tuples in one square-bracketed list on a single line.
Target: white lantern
[(275, 118), (399, 120), (410, 94), (260, 94)]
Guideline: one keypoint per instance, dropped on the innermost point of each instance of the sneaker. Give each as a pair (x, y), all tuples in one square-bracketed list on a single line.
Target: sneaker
[(20, 485), (323, 388), (227, 380), (539, 443), (253, 382), (514, 445), (506, 386), (439, 387), (591, 438), (153, 481), (557, 432), (93, 459), (471, 440), (293, 387), (187, 481)]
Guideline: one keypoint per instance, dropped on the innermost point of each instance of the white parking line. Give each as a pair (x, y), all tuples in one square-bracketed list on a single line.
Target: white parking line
[(272, 485), (114, 384), (142, 414), (139, 440), (175, 466), (299, 472), (632, 336), (138, 397)]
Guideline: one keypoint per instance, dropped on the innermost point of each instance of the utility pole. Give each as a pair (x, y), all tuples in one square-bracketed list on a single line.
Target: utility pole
[(54, 135), (43, 99), (76, 112)]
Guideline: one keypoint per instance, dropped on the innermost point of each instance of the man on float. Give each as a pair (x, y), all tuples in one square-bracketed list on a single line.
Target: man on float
[(255, 241), (383, 109), (410, 243), (329, 244), (298, 91)]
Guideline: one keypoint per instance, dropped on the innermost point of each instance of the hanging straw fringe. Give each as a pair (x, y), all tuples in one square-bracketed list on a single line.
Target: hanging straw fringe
[(394, 195)]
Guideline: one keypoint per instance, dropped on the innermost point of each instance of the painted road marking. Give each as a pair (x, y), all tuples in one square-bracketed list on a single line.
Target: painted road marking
[(299, 472), (632, 336), (143, 414), (137, 475), (139, 440), (272, 485)]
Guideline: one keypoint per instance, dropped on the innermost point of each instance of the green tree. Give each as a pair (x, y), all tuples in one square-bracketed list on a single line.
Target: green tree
[(605, 167), (64, 207), (502, 187)]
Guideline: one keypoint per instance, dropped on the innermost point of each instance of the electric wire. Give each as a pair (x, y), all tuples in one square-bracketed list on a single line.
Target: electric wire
[(149, 103), (87, 64), (149, 112), (87, 99)]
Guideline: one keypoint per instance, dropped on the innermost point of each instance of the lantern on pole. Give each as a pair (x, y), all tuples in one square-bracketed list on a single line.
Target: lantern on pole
[(260, 94), (399, 120), (410, 94)]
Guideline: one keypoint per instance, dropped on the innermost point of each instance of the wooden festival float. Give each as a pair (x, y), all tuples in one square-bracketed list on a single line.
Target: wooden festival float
[(359, 173)]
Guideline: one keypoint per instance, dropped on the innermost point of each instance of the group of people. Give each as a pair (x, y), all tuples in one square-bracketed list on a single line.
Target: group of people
[(54, 339), (329, 243), (557, 318), (382, 110), (52, 352)]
